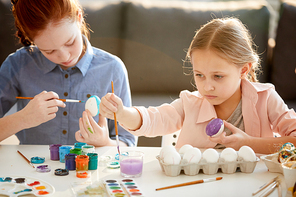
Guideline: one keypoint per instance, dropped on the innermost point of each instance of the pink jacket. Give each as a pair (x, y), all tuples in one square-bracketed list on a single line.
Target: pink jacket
[(264, 112)]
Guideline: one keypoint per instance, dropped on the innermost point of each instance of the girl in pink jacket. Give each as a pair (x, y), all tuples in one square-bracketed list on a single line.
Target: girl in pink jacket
[(225, 68)]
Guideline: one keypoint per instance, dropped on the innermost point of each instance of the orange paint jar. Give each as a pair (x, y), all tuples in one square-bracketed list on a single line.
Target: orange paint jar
[(82, 166)]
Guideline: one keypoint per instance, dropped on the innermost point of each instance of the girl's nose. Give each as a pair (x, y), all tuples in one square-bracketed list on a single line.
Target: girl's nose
[(64, 55), (208, 86)]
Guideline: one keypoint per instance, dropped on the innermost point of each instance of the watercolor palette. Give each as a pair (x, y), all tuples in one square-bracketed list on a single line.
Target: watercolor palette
[(124, 187), (18, 186), (208, 168)]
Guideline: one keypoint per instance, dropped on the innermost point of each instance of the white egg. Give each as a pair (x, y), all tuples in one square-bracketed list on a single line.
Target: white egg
[(172, 158), (211, 155), (165, 150), (192, 155), (184, 148), (93, 105), (247, 153), (229, 155)]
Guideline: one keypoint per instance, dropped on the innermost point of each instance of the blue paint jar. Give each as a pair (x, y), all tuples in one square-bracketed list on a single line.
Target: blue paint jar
[(64, 150), (70, 163), (79, 144), (93, 161)]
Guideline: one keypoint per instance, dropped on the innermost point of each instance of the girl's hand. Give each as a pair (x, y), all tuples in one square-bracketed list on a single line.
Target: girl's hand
[(92, 133), (111, 104), (41, 108), (237, 139)]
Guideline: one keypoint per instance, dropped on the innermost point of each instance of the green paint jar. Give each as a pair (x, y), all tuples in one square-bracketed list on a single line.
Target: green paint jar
[(93, 161), (76, 151)]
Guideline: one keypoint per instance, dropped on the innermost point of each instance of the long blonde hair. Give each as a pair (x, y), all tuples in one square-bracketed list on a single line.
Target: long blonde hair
[(229, 37)]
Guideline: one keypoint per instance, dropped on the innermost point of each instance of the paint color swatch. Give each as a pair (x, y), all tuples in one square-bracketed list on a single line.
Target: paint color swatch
[(124, 187), (131, 187)]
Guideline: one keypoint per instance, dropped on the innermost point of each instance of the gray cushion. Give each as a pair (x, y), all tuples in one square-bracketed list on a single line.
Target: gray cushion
[(158, 32), (284, 59)]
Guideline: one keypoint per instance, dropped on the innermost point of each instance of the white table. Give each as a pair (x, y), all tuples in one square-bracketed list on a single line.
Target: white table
[(237, 184)]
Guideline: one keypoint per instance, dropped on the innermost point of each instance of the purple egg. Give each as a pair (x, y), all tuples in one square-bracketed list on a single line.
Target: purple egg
[(214, 127)]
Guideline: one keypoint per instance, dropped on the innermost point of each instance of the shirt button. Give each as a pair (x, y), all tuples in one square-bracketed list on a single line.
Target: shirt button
[(88, 95), (66, 76), (73, 68), (65, 113), (64, 132), (65, 93)]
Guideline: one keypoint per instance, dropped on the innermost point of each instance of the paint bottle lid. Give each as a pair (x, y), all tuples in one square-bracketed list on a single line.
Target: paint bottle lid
[(79, 144), (61, 172), (54, 147), (37, 160), (76, 151), (43, 168)]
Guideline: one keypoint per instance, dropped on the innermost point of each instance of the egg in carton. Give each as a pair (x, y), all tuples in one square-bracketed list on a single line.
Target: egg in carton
[(192, 161), (274, 161)]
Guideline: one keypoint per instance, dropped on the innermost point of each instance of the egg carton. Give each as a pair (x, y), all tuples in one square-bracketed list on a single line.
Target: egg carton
[(192, 169), (272, 163)]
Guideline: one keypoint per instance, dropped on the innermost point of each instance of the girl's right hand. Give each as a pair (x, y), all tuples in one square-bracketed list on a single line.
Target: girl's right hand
[(41, 108), (111, 104)]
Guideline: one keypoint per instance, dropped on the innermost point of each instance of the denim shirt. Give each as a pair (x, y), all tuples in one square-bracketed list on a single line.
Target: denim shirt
[(27, 73)]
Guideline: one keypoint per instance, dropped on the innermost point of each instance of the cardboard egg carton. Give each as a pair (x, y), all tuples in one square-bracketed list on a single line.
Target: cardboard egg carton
[(192, 169)]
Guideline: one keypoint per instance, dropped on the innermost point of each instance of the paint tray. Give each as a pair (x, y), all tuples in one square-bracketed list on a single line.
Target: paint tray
[(271, 162), (207, 168), (20, 185)]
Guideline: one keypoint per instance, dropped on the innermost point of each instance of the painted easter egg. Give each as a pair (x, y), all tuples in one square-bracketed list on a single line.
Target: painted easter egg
[(93, 105), (247, 153), (229, 155), (210, 155), (192, 155), (287, 146), (215, 127), (165, 150), (284, 155), (172, 157), (184, 148)]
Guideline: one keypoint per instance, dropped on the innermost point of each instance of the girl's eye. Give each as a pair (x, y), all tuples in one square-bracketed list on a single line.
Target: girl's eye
[(70, 44), (48, 52), (218, 76), (199, 75)]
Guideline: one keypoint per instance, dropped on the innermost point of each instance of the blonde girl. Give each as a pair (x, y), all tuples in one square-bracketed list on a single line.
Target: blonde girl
[(225, 68)]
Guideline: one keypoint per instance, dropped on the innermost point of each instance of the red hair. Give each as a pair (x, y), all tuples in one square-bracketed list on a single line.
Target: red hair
[(33, 16)]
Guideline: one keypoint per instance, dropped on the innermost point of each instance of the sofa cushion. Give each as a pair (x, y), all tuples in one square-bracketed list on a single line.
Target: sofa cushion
[(284, 55), (9, 43), (105, 21), (157, 33)]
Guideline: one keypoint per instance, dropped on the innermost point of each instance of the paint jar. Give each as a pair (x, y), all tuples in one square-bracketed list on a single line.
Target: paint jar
[(54, 151), (82, 166), (79, 144), (131, 164), (93, 161), (76, 151), (64, 150), (70, 163), (87, 149)]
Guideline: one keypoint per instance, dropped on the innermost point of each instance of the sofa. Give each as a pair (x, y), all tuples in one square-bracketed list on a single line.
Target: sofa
[(151, 37)]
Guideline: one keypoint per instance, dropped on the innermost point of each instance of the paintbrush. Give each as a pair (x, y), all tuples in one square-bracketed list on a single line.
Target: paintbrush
[(115, 122), (64, 100), (26, 159), (191, 183)]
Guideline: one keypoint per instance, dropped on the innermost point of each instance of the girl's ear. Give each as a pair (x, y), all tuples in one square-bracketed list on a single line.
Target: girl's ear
[(245, 70), (79, 17)]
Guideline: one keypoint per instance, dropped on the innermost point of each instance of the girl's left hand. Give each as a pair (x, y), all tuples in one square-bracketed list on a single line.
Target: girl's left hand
[(93, 133), (237, 139)]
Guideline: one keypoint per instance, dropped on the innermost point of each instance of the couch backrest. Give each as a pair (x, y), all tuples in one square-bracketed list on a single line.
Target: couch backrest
[(151, 37), (284, 55)]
